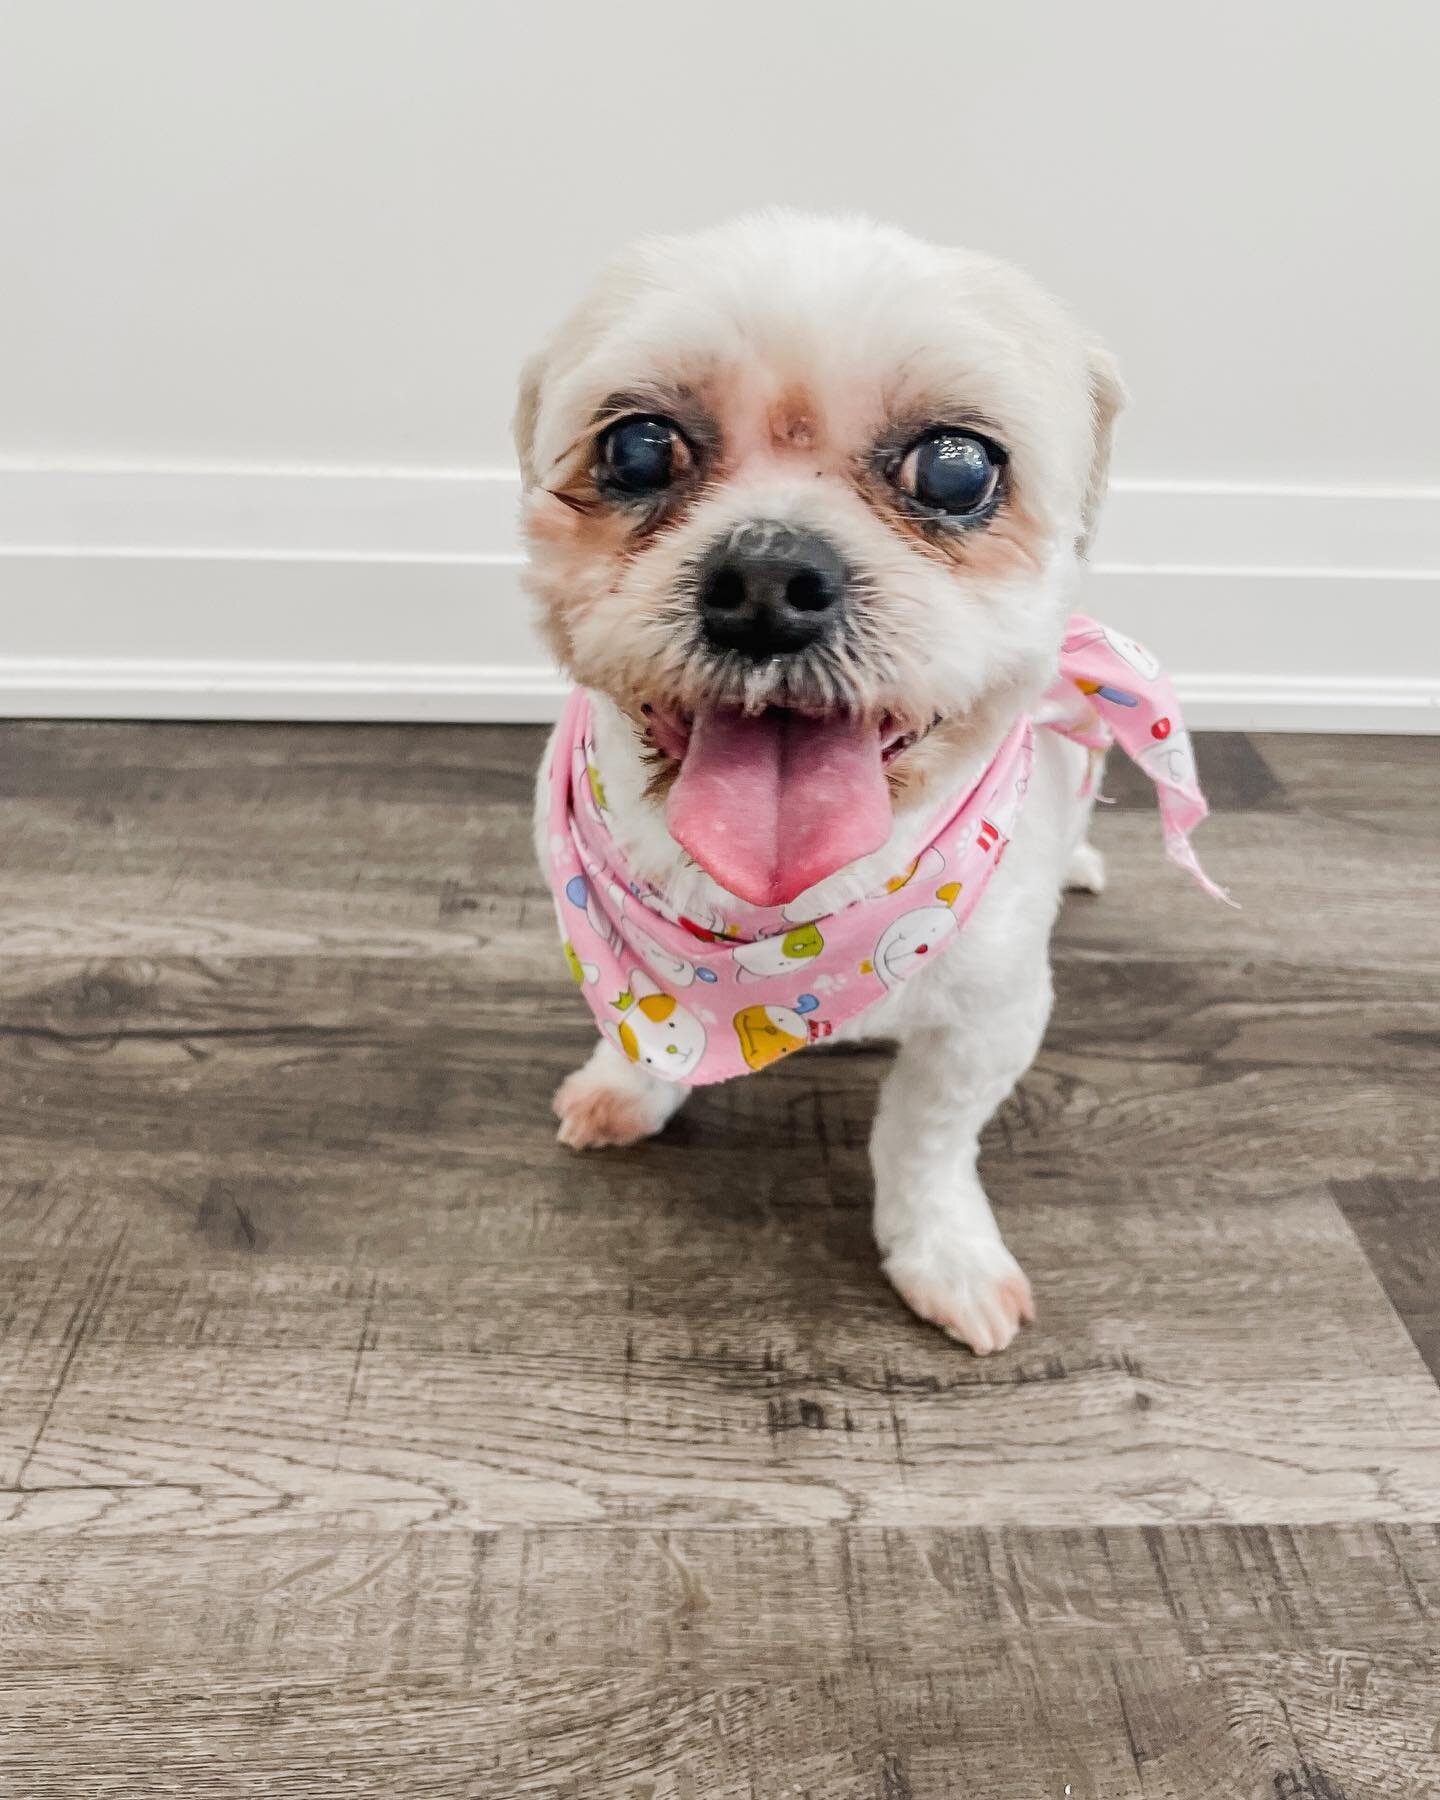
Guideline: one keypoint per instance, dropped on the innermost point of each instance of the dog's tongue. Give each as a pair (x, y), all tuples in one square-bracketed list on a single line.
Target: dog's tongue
[(770, 805)]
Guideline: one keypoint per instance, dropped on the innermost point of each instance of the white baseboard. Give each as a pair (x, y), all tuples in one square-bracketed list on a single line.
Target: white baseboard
[(312, 594), (1308, 703), (461, 693), (114, 688)]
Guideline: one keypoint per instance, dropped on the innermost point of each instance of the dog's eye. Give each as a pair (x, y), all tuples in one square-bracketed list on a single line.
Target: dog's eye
[(950, 472), (642, 455)]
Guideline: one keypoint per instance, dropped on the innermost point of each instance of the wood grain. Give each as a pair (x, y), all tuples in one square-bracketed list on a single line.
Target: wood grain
[(356, 1439), (721, 1606)]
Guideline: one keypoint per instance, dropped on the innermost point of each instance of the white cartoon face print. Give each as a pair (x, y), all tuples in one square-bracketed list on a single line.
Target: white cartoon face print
[(678, 970), (777, 955), (1170, 760), (1138, 657), (655, 1030), (910, 941)]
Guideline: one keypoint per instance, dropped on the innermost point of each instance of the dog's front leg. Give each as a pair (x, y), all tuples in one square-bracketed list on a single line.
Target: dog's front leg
[(612, 1101), (933, 1223)]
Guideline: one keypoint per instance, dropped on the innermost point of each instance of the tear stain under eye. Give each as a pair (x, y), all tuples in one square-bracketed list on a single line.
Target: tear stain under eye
[(1012, 542), (1005, 541)]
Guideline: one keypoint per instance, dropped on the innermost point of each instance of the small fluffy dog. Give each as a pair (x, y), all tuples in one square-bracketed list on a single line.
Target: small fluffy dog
[(814, 469)]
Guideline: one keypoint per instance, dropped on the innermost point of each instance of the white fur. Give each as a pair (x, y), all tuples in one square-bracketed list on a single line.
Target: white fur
[(868, 325)]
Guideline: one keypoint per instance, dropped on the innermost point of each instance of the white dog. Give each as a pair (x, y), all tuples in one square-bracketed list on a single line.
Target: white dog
[(815, 466)]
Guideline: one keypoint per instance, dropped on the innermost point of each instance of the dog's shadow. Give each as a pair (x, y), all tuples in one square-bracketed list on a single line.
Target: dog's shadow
[(782, 1158)]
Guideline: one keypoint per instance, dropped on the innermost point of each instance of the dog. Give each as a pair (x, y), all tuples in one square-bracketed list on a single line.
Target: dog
[(812, 476)]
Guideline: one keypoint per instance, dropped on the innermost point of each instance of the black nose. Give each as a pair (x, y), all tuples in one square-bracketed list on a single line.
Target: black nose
[(768, 589)]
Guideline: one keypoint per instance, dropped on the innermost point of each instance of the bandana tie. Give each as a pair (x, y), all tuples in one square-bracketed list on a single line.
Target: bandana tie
[(696, 1000)]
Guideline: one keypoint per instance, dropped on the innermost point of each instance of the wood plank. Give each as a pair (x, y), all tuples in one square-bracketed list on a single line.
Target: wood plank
[(1398, 1224), (242, 763), (1193, 1662), (1311, 888), (1150, 1066), (1186, 1367), (1177, 1008), (715, 1606), (1105, 1726), (1381, 785), (578, 1736)]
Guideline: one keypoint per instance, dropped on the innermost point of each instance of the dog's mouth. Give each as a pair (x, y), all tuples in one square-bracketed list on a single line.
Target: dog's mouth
[(769, 803)]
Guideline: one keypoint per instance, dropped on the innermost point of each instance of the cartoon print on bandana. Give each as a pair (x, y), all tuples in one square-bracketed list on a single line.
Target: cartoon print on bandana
[(710, 926), (810, 904), (1003, 809), (582, 787), (1116, 696), (926, 866), (907, 941), (656, 1030), (579, 892), (593, 780), (1171, 759), (1138, 657), (1087, 634), (585, 973), (777, 955), (767, 1033), (668, 964), (709, 994)]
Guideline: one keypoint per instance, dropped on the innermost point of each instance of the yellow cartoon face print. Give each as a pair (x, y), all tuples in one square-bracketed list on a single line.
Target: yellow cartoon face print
[(767, 1033)]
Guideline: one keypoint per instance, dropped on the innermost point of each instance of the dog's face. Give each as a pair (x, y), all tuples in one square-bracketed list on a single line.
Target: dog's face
[(802, 495)]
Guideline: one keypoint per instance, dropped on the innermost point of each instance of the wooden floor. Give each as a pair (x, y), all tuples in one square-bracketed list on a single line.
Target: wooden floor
[(355, 1439)]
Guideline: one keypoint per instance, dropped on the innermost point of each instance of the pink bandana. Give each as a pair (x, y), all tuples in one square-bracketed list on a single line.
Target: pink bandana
[(700, 1000)]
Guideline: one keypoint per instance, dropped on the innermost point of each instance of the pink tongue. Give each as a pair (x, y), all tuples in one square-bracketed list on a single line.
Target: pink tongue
[(771, 805)]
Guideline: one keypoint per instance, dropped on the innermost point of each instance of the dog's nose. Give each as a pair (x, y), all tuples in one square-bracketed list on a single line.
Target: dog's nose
[(768, 589)]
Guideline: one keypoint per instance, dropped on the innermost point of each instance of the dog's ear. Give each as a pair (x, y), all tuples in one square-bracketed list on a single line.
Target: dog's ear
[(527, 410), (1107, 399)]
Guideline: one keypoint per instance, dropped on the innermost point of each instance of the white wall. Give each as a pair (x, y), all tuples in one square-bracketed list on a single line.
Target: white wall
[(279, 259)]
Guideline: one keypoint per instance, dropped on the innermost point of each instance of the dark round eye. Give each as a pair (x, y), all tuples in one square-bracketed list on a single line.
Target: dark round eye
[(642, 455), (950, 472)]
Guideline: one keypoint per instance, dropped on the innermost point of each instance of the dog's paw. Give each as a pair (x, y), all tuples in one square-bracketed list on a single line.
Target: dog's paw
[(595, 1114), (971, 1287), (1085, 872)]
